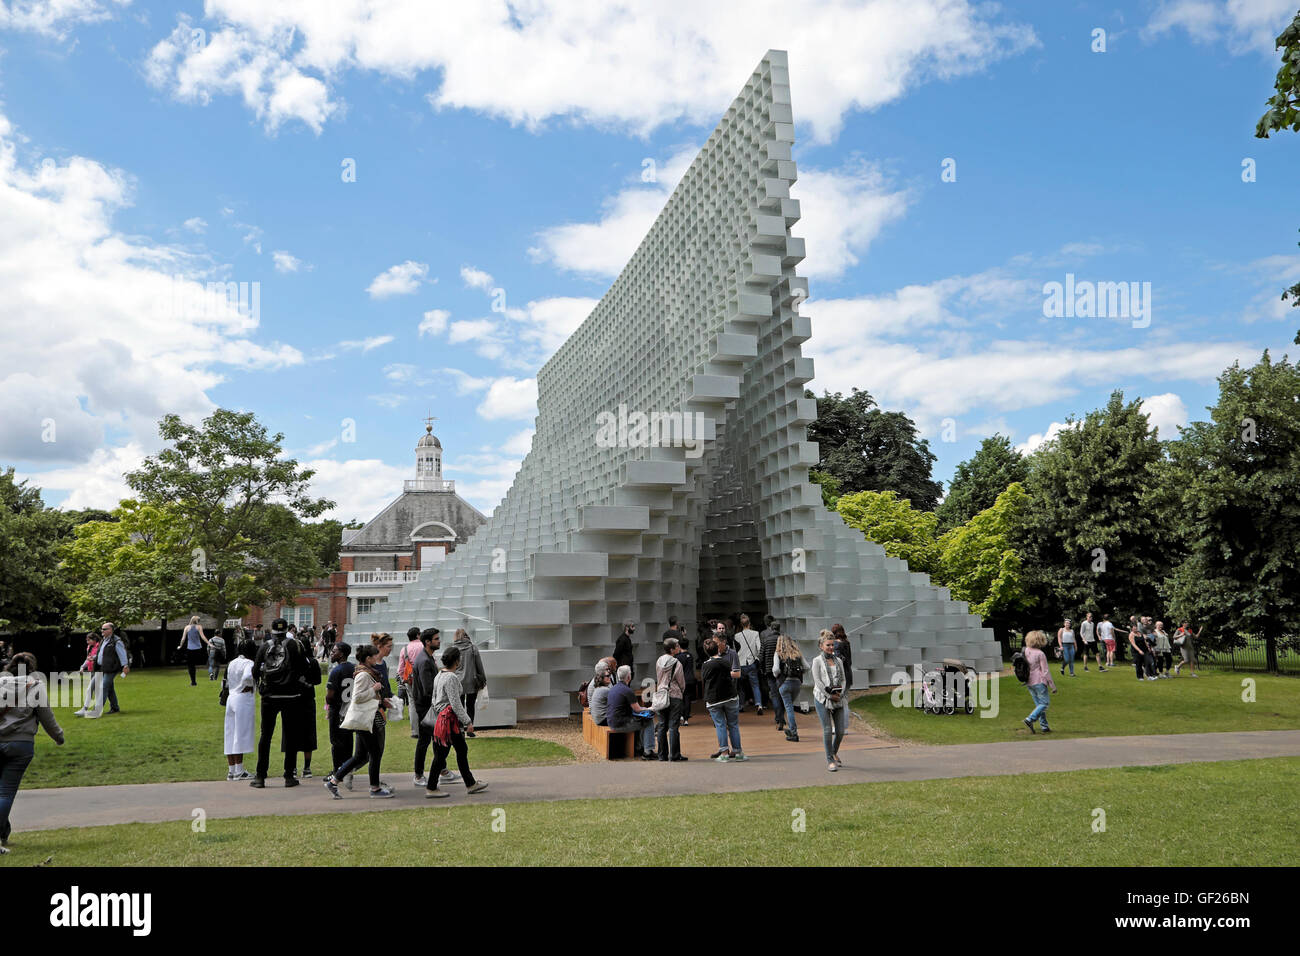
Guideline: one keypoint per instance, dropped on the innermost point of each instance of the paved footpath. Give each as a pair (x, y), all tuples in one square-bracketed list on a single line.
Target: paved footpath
[(160, 802)]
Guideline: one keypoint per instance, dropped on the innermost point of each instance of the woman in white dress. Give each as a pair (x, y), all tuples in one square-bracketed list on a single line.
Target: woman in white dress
[(240, 708)]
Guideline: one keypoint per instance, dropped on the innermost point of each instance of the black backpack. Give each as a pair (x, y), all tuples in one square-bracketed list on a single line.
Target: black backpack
[(277, 667), (1020, 664), (792, 668)]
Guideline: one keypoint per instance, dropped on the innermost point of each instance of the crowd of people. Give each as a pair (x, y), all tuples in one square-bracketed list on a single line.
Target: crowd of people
[(737, 662), (1151, 647)]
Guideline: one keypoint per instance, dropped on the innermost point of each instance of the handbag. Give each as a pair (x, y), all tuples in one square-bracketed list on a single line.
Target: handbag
[(662, 697), (225, 693), (361, 714)]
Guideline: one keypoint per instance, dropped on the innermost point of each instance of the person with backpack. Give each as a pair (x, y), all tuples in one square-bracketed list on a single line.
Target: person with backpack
[(405, 672), (768, 642), (688, 668), (472, 676), (305, 740), (24, 703), (830, 697), (749, 653), (1037, 675), (110, 660), (365, 716), (279, 671), (193, 642), (241, 709), (788, 668), (216, 655), (670, 687)]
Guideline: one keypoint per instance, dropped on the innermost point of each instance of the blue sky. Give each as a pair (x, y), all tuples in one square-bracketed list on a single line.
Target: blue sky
[(503, 148)]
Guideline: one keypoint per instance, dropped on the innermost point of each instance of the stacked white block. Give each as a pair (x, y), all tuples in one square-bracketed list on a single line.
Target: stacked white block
[(700, 330)]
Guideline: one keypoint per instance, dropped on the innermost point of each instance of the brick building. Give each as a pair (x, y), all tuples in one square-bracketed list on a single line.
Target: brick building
[(416, 531)]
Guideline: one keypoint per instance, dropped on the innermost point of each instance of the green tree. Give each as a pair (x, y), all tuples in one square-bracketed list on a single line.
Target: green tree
[(1284, 108), (1091, 539), (243, 504), (979, 563), (32, 592), (130, 568), (325, 538), (895, 525), (829, 485), (868, 449), (1235, 481), (978, 482)]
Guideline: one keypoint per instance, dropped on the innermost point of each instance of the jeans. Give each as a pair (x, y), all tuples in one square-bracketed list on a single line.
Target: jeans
[(213, 664), (749, 679), (835, 721), (667, 722), (788, 690), (1067, 658), (14, 758), (288, 708), (1042, 699), (779, 706), (726, 721), (643, 730), (104, 692), (440, 754)]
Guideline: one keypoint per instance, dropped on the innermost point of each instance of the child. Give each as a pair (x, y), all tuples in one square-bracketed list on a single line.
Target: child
[(1040, 679)]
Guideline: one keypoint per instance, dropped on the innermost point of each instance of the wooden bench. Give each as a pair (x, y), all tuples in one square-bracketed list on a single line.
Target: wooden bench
[(609, 744)]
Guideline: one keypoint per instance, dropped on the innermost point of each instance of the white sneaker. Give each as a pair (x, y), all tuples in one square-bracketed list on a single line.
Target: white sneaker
[(79, 713), (832, 766), (449, 776), (419, 781)]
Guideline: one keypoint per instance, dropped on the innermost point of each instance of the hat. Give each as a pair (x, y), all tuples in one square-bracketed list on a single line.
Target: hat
[(279, 625)]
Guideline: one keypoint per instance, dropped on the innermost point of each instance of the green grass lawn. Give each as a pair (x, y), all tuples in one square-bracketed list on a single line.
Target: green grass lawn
[(1235, 813), (1097, 705), (170, 731)]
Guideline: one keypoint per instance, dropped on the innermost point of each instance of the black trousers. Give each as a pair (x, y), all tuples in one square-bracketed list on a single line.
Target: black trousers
[(195, 659), (468, 701), (370, 750), (440, 754), (341, 741), (288, 708), (668, 732)]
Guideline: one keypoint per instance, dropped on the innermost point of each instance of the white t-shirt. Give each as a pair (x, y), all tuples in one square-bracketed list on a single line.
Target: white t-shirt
[(1085, 631), (1106, 630)]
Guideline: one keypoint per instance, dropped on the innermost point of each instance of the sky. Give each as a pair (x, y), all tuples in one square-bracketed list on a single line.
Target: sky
[(418, 203)]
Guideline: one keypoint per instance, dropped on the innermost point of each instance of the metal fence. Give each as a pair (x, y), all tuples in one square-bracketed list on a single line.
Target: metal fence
[(1252, 656)]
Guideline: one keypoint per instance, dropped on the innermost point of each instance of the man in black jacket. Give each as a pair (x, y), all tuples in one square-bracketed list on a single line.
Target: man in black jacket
[(280, 672), (766, 652)]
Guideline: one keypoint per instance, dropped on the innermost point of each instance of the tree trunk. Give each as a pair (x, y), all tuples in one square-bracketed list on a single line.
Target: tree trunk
[(1270, 653)]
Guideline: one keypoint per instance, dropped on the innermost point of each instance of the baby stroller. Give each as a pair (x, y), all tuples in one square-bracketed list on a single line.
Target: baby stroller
[(945, 688)]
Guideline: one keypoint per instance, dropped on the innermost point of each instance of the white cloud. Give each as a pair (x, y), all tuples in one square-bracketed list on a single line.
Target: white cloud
[(843, 211), (434, 322), (367, 344), (465, 383), (510, 398), (401, 279), (475, 278), (55, 17), (196, 224), (97, 482), (471, 330), (399, 372), (284, 262), (1167, 413), (100, 338), (1242, 26), (359, 487), (635, 66), (1034, 442), (388, 399)]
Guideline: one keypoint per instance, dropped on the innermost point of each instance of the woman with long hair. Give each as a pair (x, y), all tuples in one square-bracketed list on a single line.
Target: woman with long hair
[(788, 668), (366, 700), (193, 641), (830, 696)]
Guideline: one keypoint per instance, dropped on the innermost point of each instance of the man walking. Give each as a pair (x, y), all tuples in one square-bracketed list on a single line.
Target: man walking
[(767, 653), (423, 675), (748, 652), (110, 661), (280, 673)]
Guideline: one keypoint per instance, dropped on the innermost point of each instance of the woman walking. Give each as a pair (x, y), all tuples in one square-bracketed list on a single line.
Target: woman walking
[(1040, 679), (829, 696), (1164, 650), (473, 678), (240, 708), (788, 668), (451, 722), (844, 652), (1065, 643), (365, 715), (1186, 643), (24, 702), (193, 640), (88, 667), (719, 677)]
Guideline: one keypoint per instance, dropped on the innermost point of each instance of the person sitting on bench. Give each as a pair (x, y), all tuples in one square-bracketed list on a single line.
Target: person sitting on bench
[(622, 706)]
